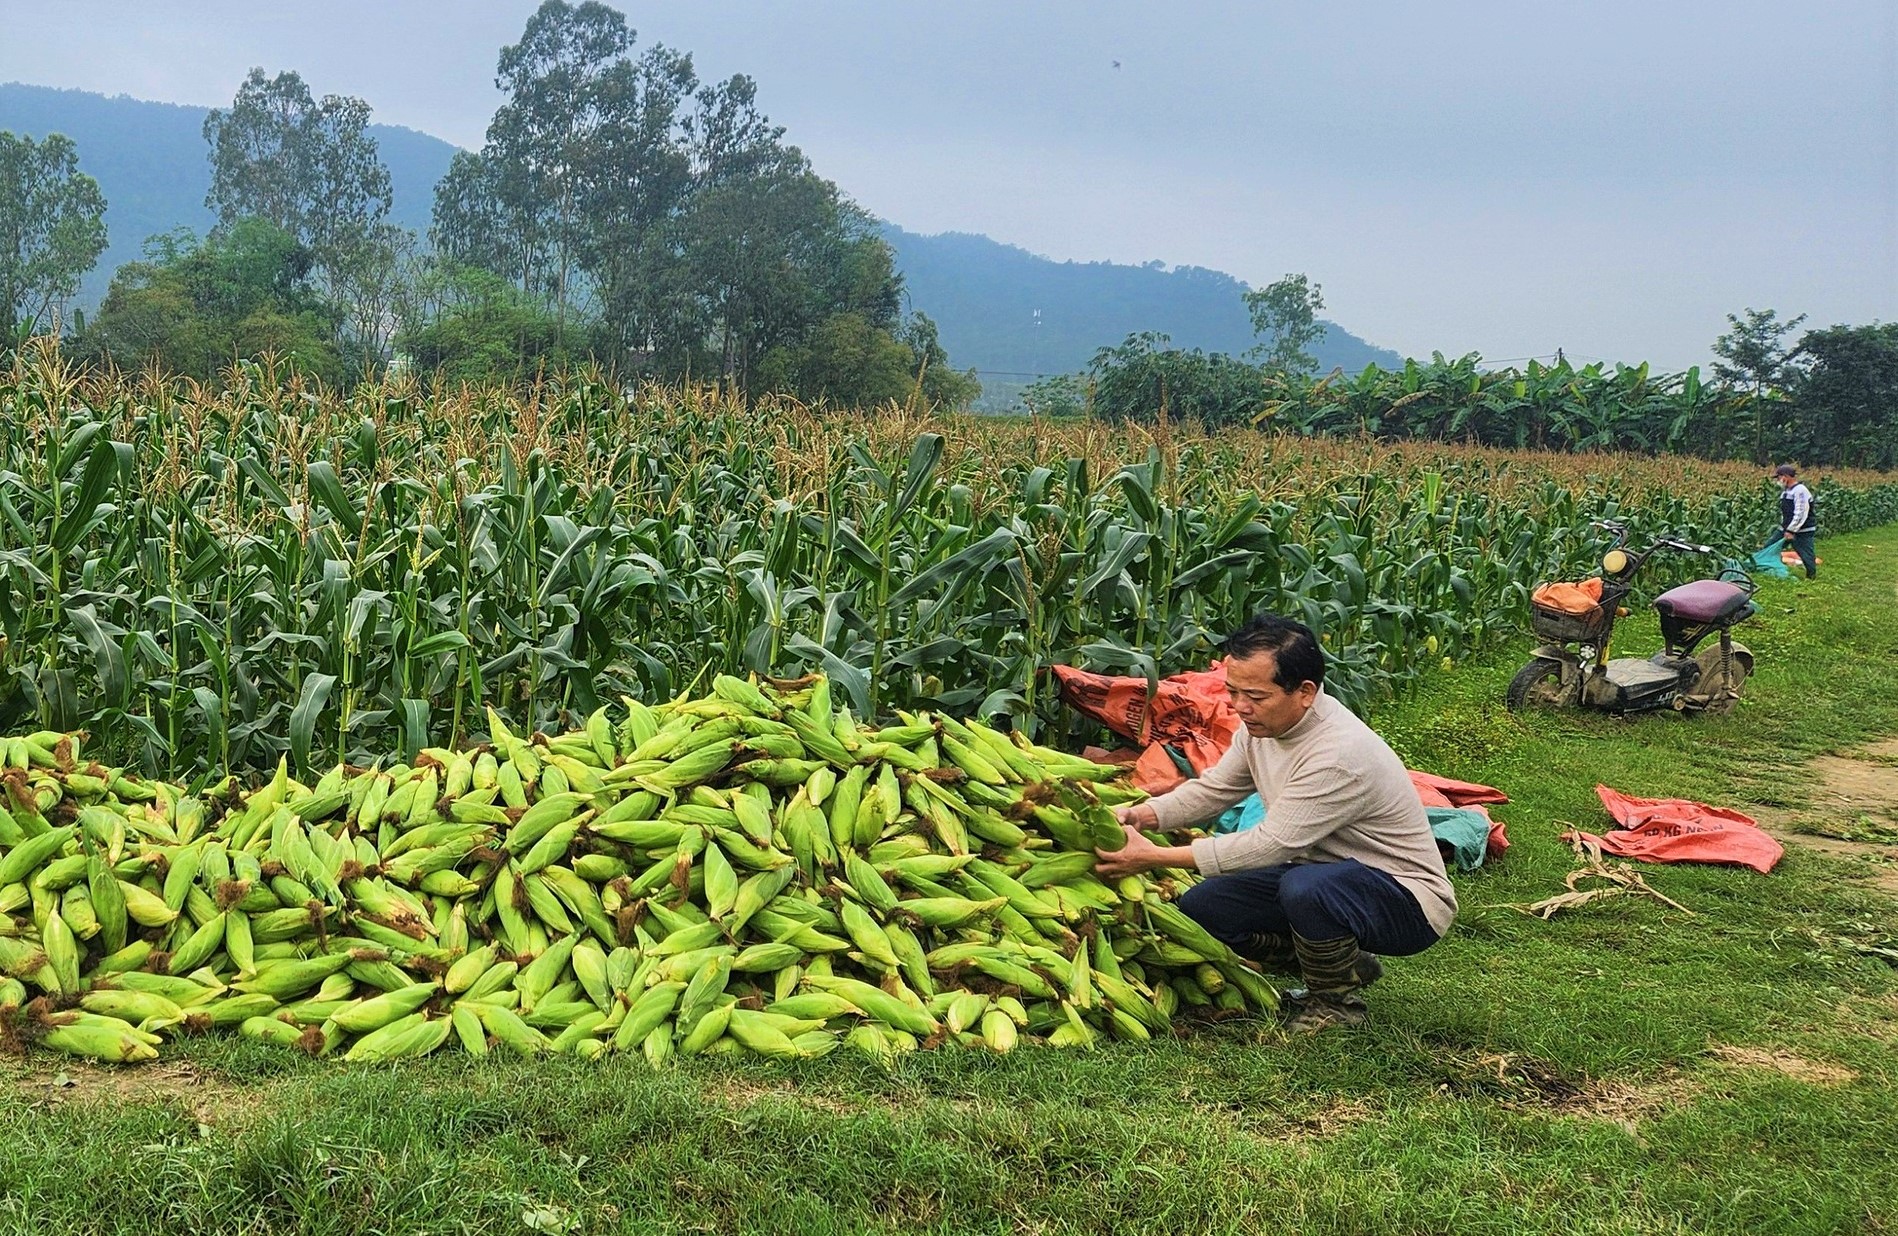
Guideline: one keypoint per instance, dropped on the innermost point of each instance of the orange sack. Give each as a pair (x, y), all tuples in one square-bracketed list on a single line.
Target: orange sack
[(1435, 791), (1189, 712), (1678, 830)]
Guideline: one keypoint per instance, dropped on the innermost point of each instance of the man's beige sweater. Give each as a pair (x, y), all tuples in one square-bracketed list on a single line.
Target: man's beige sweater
[(1332, 790)]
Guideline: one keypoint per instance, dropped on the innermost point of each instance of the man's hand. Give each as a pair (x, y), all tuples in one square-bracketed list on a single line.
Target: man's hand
[(1137, 815), (1139, 854), (1136, 856)]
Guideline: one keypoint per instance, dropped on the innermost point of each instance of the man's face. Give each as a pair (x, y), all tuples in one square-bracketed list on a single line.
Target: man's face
[(1785, 482), (1266, 709)]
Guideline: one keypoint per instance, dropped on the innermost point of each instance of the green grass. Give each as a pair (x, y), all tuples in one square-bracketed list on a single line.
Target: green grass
[(1620, 1068)]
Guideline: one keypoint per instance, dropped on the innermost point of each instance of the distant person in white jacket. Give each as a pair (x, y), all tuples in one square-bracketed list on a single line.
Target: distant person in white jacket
[(1344, 866), (1798, 524)]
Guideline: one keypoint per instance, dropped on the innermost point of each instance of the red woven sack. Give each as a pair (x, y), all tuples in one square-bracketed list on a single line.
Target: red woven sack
[(1678, 830), (1189, 712)]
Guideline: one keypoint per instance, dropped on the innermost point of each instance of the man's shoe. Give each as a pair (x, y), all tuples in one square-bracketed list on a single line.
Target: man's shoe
[(1322, 1012), (1367, 969)]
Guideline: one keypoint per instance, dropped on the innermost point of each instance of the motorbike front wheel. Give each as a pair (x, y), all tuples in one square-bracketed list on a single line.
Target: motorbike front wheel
[(1539, 685)]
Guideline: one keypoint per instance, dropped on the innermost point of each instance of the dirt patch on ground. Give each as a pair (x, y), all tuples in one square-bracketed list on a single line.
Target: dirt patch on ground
[(207, 1098), (1276, 1125), (739, 1093), (1628, 1103), (1326, 1121), (1847, 810), (1853, 785), (1798, 1068), (1527, 1084), (1884, 752)]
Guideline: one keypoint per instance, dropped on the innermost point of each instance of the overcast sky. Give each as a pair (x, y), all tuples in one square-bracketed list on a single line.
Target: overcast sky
[(1608, 177)]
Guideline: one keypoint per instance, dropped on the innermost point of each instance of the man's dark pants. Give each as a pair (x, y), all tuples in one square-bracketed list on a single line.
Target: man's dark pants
[(1318, 901), (1802, 545)]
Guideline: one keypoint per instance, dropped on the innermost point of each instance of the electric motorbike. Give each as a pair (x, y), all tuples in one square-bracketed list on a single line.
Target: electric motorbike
[(1573, 668)]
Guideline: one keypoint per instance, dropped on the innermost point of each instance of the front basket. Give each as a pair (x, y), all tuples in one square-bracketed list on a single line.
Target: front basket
[(1564, 627)]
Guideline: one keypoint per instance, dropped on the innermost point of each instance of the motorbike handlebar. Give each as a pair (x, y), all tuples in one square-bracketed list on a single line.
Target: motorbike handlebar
[(1667, 542)]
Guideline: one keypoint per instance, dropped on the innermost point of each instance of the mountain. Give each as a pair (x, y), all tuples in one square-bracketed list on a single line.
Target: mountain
[(154, 166), (1015, 316), (1009, 314)]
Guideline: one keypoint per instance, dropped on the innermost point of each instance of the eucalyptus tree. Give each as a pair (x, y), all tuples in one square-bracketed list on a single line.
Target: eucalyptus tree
[(672, 218), (308, 166), (1753, 357), (52, 227), (1286, 314), (584, 166)]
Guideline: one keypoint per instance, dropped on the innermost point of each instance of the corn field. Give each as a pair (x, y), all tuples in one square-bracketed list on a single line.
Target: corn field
[(208, 580)]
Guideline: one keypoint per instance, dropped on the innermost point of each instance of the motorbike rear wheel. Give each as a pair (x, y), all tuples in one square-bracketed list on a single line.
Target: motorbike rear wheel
[(1539, 685), (1717, 689)]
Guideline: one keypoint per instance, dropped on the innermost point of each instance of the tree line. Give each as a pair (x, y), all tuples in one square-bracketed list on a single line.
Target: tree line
[(620, 212), (1828, 396), (623, 212)]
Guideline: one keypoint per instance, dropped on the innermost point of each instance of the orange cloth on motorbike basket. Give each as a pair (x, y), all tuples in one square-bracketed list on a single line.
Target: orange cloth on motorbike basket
[(1678, 830), (1581, 598)]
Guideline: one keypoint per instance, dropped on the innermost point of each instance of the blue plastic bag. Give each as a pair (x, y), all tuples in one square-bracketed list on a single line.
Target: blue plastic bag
[(1465, 832), (1248, 814), (1766, 562)]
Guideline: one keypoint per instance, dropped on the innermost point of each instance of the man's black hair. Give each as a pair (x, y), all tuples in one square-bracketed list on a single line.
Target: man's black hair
[(1296, 656), (1785, 470)]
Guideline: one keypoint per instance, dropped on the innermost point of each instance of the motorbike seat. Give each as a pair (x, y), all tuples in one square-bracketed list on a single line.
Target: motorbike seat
[(1704, 600)]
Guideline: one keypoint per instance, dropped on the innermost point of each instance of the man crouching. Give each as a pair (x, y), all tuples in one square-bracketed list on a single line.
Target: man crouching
[(1344, 866)]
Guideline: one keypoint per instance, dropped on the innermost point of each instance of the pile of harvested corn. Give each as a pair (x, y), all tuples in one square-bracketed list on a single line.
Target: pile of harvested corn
[(750, 871)]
